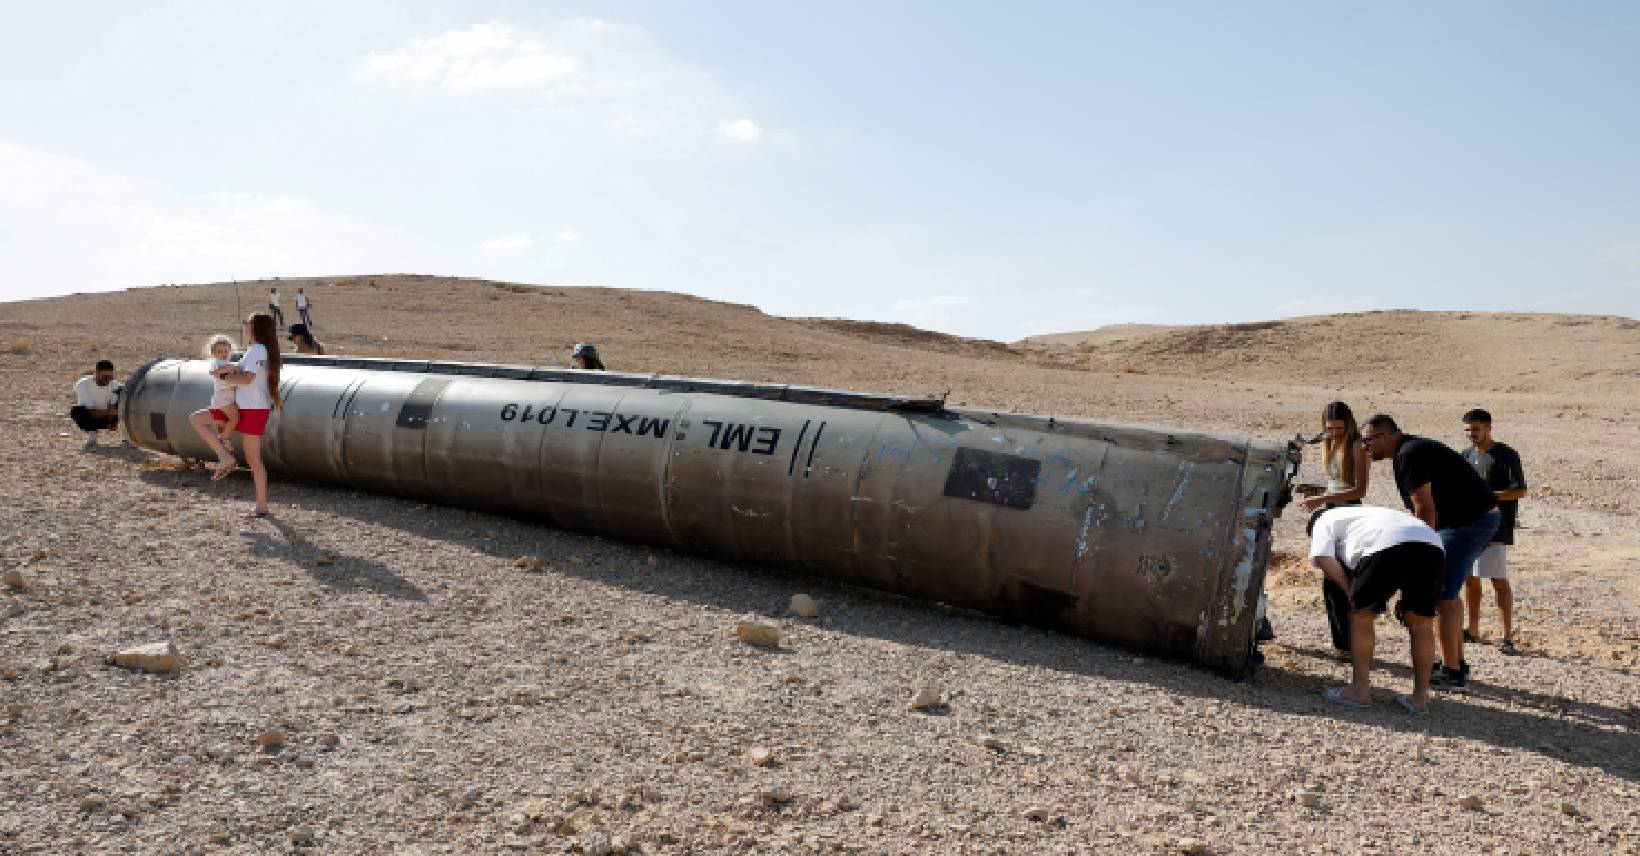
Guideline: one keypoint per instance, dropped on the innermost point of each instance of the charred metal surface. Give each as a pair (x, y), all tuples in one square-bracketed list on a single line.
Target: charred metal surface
[(1146, 538)]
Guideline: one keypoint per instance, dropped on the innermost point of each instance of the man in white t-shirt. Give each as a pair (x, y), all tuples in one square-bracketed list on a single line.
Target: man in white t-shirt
[(274, 308), (1373, 553), (96, 402)]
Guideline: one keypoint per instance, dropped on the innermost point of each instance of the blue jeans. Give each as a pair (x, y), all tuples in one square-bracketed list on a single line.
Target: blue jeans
[(1464, 544)]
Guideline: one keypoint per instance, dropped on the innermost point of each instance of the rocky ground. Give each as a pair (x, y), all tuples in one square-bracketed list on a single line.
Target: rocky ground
[(373, 675)]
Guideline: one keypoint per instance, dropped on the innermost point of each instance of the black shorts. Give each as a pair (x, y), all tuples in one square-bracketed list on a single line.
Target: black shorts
[(1415, 570)]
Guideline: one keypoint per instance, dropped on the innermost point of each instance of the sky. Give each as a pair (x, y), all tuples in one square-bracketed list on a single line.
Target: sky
[(984, 169)]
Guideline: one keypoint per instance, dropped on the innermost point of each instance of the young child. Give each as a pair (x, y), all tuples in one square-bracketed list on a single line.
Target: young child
[(219, 349)]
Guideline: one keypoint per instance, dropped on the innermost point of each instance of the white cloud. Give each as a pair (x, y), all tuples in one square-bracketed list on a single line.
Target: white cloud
[(67, 225), (1324, 306), (510, 243), (482, 57), (742, 130), (568, 237), (577, 81)]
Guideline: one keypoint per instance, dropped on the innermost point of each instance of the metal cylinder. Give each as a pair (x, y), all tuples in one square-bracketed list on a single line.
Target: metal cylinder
[(1142, 537)]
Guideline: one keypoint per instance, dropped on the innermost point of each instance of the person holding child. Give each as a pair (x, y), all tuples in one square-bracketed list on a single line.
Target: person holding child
[(256, 394)]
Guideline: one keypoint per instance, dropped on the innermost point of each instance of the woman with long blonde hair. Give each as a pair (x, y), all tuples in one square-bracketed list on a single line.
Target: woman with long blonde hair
[(1348, 469), (256, 378)]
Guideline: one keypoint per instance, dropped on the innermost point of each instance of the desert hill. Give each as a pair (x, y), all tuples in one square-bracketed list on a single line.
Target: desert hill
[(1505, 352), (369, 674)]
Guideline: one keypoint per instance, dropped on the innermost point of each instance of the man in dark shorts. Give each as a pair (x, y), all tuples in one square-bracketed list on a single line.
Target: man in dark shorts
[(1373, 553), (1499, 466), (1441, 489)]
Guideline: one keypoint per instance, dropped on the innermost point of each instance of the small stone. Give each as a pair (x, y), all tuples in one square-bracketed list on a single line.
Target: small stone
[(1190, 845), (273, 738), (157, 657), (1473, 803), (759, 756), (1308, 799), (1036, 814), (329, 741), (927, 698), (804, 606), (305, 762), (755, 633), (528, 563), (15, 579), (1567, 808), (774, 796), (303, 836), (323, 561), (987, 741)]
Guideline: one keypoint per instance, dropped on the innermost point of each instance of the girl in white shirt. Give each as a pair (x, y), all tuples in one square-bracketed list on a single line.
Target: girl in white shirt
[(256, 381)]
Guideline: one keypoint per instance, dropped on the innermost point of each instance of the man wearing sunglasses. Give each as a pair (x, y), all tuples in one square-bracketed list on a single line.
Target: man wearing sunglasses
[(1440, 488)]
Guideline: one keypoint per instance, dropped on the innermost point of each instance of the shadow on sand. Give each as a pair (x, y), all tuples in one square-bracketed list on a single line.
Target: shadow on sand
[(1581, 733)]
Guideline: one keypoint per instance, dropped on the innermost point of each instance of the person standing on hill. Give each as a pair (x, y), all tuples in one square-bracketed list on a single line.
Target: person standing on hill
[(274, 309), (1500, 467), (1440, 488), (1348, 471), (303, 304)]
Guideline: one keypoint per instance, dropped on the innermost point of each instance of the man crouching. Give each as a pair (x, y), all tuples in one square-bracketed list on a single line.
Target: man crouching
[(1372, 553)]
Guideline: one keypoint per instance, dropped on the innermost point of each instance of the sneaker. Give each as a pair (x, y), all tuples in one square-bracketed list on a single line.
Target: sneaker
[(1507, 646), (1451, 680), (90, 439)]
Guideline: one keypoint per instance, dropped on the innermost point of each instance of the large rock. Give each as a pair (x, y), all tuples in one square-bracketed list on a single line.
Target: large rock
[(159, 657)]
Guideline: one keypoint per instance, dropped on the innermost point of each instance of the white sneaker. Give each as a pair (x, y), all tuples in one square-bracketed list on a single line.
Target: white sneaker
[(90, 439)]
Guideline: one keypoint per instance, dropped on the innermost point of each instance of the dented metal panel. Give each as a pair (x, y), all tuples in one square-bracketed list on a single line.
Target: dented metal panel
[(1143, 537)]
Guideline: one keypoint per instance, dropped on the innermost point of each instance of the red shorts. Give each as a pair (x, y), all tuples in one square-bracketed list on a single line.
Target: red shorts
[(252, 421)]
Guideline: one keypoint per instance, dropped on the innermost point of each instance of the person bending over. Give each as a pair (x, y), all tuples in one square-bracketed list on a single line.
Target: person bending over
[(1373, 553), (1441, 489)]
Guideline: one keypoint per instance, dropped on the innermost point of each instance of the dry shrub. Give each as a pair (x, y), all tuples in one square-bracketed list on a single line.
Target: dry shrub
[(17, 345)]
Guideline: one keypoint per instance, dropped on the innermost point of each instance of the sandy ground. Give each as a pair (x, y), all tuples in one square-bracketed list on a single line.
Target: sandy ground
[(432, 696)]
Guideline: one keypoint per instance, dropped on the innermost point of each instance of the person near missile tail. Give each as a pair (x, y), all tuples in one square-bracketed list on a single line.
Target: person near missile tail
[(274, 308), (1349, 471), (1375, 553), (301, 338), (1499, 466), (1439, 487), (96, 402), (257, 377), (303, 304), (585, 356)]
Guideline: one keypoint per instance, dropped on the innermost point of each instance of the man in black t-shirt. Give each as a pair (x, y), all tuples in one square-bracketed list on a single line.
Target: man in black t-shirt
[(1440, 488), (1499, 466)]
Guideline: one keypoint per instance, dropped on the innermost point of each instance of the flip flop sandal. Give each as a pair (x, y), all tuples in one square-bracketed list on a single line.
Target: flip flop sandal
[(1507, 646), (1406, 703), (253, 514), (1336, 696), (223, 470)]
